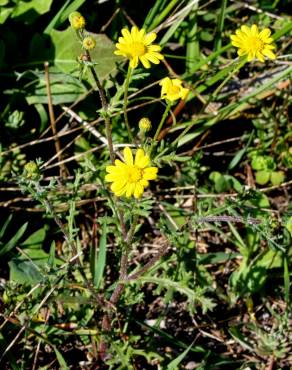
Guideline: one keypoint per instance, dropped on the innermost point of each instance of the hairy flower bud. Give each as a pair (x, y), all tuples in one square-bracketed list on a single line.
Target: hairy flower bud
[(145, 124), (88, 43), (31, 171), (77, 20)]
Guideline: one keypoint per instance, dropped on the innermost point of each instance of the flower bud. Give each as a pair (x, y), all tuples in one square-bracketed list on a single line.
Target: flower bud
[(77, 20), (145, 124), (88, 43), (31, 171)]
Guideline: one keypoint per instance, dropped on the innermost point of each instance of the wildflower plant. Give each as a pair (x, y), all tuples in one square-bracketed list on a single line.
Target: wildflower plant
[(136, 160)]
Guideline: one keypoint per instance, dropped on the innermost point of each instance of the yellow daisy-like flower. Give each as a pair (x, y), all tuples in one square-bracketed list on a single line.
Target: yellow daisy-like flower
[(253, 44), (172, 89), (137, 46), (131, 176)]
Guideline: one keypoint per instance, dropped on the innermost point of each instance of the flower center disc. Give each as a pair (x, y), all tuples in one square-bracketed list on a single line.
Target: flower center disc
[(256, 44), (137, 49), (135, 174), (174, 90)]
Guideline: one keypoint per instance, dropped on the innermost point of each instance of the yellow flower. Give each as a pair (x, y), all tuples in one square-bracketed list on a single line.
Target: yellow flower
[(76, 20), (253, 43), (172, 89), (131, 176), (137, 46)]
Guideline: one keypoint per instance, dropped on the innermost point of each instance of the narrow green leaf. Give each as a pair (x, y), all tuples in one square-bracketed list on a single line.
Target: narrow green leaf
[(51, 259), (100, 259), (13, 241), (4, 227), (173, 365), (61, 360), (240, 154), (286, 281)]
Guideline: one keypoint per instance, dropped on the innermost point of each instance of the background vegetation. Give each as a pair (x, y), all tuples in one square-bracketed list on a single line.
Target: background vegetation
[(210, 259)]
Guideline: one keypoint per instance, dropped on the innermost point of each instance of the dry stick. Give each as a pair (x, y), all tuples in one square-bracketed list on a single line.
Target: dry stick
[(63, 171)]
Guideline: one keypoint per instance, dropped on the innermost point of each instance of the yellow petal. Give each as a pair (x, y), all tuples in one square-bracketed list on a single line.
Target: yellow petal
[(150, 173), (265, 34), (145, 62), (144, 183), (260, 57), (184, 92), (127, 35), (112, 177), (268, 53), (142, 33), (148, 39), (130, 190), (119, 164), (245, 30), (254, 30), (134, 62), (128, 156), (153, 48), (141, 160), (134, 33), (138, 190), (118, 185), (152, 58)]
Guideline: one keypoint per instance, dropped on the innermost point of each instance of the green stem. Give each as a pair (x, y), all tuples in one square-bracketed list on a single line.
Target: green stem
[(165, 114), (126, 89), (211, 97)]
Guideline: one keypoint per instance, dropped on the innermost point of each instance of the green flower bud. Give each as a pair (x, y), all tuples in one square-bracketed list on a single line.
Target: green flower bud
[(77, 20)]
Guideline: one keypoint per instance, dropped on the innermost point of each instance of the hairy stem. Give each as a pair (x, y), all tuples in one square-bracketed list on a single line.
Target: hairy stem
[(165, 114), (125, 104), (104, 105)]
